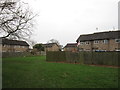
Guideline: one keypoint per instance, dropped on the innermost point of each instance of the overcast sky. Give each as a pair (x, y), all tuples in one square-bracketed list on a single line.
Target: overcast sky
[(66, 20)]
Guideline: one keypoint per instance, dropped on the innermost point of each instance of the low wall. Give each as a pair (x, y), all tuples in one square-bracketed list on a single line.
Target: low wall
[(98, 58)]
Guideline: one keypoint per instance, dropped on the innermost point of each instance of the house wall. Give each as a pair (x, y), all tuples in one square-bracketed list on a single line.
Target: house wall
[(14, 48), (53, 48), (114, 45), (101, 45), (85, 47), (73, 49), (111, 45)]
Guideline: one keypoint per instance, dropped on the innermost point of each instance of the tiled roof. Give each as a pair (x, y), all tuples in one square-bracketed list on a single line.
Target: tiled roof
[(71, 45), (13, 42), (100, 36)]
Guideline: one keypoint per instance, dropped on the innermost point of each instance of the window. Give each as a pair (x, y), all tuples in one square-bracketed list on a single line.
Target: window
[(117, 40), (105, 41), (96, 42), (81, 43), (87, 43)]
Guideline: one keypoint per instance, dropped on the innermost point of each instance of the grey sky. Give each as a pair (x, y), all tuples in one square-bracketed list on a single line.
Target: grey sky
[(65, 20)]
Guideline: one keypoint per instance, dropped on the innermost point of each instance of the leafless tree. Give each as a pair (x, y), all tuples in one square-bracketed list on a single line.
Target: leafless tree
[(16, 20)]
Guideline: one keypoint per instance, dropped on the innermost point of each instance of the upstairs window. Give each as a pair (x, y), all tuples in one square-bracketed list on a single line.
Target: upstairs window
[(117, 40), (87, 43), (96, 42), (81, 43), (105, 41)]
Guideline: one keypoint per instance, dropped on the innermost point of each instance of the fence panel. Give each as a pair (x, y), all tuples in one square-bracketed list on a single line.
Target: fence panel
[(98, 58), (56, 56), (72, 57)]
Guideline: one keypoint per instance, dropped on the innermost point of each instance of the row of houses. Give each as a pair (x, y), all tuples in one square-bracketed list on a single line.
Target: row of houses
[(101, 41), (8, 45)]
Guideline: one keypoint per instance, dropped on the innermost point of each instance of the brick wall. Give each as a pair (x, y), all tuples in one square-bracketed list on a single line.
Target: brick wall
[(53, 48), (73, 49), (86, 47), (12, 48)]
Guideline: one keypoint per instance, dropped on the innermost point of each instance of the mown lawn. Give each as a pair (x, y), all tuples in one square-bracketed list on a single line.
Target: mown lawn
[(35, 72)]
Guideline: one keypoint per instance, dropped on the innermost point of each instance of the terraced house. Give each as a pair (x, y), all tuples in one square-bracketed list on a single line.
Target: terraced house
[(13, 45), (101, 41), (71, 47), (51, 47)]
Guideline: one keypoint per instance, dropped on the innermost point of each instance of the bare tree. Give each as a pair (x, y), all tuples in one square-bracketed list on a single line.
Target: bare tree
[(15, 21)]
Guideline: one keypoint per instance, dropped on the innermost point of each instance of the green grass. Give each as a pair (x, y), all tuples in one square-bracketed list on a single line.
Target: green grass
[(35, 72)]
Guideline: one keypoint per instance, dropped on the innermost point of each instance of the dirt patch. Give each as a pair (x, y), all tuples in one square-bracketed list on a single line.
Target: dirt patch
[(105, 66)]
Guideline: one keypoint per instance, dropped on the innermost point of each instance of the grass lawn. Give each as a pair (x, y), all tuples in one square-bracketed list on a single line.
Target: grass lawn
[(35, 72)]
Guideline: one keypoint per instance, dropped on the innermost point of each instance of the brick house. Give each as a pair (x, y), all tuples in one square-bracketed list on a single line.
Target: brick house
[(51, 47), (13, 45), (101, 41), (71, 47)]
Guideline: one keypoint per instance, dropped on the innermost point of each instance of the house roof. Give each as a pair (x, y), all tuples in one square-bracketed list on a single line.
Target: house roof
[(71, 45), (49, 44), (13, 42), (100, 36)]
